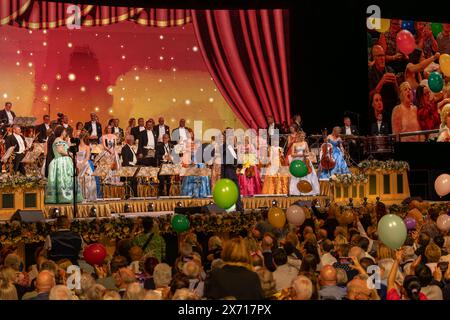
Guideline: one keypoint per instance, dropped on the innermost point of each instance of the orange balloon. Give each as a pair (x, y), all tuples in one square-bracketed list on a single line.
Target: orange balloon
[(277, 218), (444, 63)]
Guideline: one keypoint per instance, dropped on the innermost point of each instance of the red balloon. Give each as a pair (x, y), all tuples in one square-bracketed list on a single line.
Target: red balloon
[(94, 254), (406, 42)]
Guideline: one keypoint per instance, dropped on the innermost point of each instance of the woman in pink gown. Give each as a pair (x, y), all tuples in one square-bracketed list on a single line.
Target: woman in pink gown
[(249, 178)]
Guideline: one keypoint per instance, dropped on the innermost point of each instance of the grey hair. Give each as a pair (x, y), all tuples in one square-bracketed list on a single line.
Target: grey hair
[(60, 292), (134, 292), (303, 287), (162, 275)]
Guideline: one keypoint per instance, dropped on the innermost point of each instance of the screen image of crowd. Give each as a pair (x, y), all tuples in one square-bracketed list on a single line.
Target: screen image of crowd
[(408, 79)]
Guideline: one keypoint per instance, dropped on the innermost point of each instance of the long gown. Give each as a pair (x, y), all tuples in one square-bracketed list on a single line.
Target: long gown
[(89, 184), (274, 181), (59, 188), (340, 167), (195, 186), (249, 185), (311, 178), (111, 178)]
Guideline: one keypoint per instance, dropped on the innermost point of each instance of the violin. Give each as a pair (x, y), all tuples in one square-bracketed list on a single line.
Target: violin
[(307, 162), (327, 161)]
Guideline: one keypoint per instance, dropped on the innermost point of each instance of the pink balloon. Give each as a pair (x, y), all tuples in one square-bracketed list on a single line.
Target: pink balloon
[(443, 222), (406, 42), (295, 215), (442, 185)]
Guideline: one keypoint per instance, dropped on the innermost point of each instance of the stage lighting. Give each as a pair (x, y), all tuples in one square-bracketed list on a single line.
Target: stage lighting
[(274, 203), (93, 212), (151, 207), (179, 204), (54, 213), (127, 208)]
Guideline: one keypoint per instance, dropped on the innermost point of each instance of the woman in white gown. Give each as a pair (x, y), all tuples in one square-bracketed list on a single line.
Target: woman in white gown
[(300, 151), (88, 183)]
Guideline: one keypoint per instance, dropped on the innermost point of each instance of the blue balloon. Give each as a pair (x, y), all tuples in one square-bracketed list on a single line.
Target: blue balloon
[(408, 25)]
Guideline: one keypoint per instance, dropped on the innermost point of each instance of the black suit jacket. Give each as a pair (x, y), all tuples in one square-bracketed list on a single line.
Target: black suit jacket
[(161, 151), (166, 129), (88, 127), (4, 116), (11, 141), (143, 140), (352, 128), (41, 130), (127, 156), (135, 132), (120, 131), (382, 131)]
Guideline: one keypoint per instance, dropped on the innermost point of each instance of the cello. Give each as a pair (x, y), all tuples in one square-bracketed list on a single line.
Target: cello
[(327, 161)]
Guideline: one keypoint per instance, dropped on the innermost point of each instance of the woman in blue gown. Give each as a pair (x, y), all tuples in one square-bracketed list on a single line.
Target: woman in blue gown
[(59, 188), (195, 186), (337, 151)]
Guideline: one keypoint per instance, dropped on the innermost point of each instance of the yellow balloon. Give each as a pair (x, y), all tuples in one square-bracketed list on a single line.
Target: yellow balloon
[(277, 218), (444, 62), (385, 24)]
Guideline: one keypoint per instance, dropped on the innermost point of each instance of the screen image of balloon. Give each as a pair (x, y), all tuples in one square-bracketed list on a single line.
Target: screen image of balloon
[(409, 70), (121, 70)]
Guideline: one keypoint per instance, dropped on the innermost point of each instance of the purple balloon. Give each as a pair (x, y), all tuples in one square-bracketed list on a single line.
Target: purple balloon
[(410, 223)]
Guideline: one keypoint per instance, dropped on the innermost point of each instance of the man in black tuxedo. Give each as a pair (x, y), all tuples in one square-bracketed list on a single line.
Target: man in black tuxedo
[(161, 129), (274, 129), (94, 128), (164, 156), (147, 145), (42, 129), (350, 130), (17, 141), (117, 129), (136, 131), (229, 164), (379, 128), (6, 117), (66, 125), (129, 159)]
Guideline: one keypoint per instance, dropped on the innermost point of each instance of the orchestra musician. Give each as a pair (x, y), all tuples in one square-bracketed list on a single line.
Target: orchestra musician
[(17, 141), (350, 130), (129, 159), (161, 129), (66, 125), (94, 128), (42, 129), (164, 156), (131, 125), (136, 131), (147, 145), (379, 128), (180, 134), (6, 117), (272, 129), (336, 151)]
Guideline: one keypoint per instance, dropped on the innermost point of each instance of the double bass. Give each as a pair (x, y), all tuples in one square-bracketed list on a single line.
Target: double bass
[(327, 161)]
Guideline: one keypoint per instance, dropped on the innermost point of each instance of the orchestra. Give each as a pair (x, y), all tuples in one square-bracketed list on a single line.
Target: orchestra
[(103, 155)]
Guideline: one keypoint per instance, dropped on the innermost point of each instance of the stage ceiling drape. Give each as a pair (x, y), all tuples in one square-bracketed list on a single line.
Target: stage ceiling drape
[(246, 51)]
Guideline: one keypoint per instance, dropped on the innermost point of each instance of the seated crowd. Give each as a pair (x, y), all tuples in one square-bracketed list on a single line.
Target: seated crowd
[(321, 260)]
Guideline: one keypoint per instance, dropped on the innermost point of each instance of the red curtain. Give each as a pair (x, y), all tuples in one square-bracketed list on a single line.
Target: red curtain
[(247, 55), (37, 14)]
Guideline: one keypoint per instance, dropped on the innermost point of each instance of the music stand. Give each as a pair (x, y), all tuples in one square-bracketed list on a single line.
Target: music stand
[(127, 172)]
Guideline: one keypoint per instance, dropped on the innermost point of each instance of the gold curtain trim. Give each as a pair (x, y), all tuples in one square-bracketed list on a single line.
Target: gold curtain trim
[(165, 23), (15, 14)]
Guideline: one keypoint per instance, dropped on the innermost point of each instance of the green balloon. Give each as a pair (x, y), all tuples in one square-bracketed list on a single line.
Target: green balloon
[(436, 28), (392, 231), (435, 82), (180, 223), (225, 193), (298, 168)]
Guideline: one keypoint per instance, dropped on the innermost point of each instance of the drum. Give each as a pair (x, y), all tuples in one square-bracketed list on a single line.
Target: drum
[(378, 145)]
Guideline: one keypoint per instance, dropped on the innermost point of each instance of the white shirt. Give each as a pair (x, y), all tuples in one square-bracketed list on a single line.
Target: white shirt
[(150, 139), (182, 133), (134, 157), (166, 149), (21, 143), (94, 128), (271, 129), (379, 125), (162, 131), (116, 130), (10, 117), (65, 125), (141, 129), (327, 259), (348, 131)]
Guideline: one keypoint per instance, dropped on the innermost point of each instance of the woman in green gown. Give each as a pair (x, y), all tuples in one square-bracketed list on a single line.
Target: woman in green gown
[(59, 188)]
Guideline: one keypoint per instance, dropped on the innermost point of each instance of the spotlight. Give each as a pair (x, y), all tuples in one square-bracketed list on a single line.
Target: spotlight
[(151, 207), (274, 203), (127, 208), (93, 212), (54, 213), (179, 204)]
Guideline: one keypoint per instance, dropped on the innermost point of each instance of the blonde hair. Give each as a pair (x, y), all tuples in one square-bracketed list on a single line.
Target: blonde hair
[(432, 253), (445, 112), (384, 252), (236, 251), (402, 86), (7, 290), (214, 243)]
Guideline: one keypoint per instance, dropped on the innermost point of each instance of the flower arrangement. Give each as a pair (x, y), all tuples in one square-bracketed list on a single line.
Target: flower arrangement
[(383, 165), (348, 179), (8, 181)]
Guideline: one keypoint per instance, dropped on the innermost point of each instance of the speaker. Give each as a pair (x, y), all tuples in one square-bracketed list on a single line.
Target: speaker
[(28, 216)]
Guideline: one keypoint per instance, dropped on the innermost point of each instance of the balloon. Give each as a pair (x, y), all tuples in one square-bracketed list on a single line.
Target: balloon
[(94, 254), (180, 223), (298, 168), (416, 215), (443, 222), (442, 185), (436, 28), (406, 42), (410, 223), (295, 215), (225, 193), (392, 231), (409, 26), (435, 82), (385, 24), (277, 217), (444, 63)]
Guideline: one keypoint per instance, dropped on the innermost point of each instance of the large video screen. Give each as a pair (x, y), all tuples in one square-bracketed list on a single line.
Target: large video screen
[(408, 74)]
